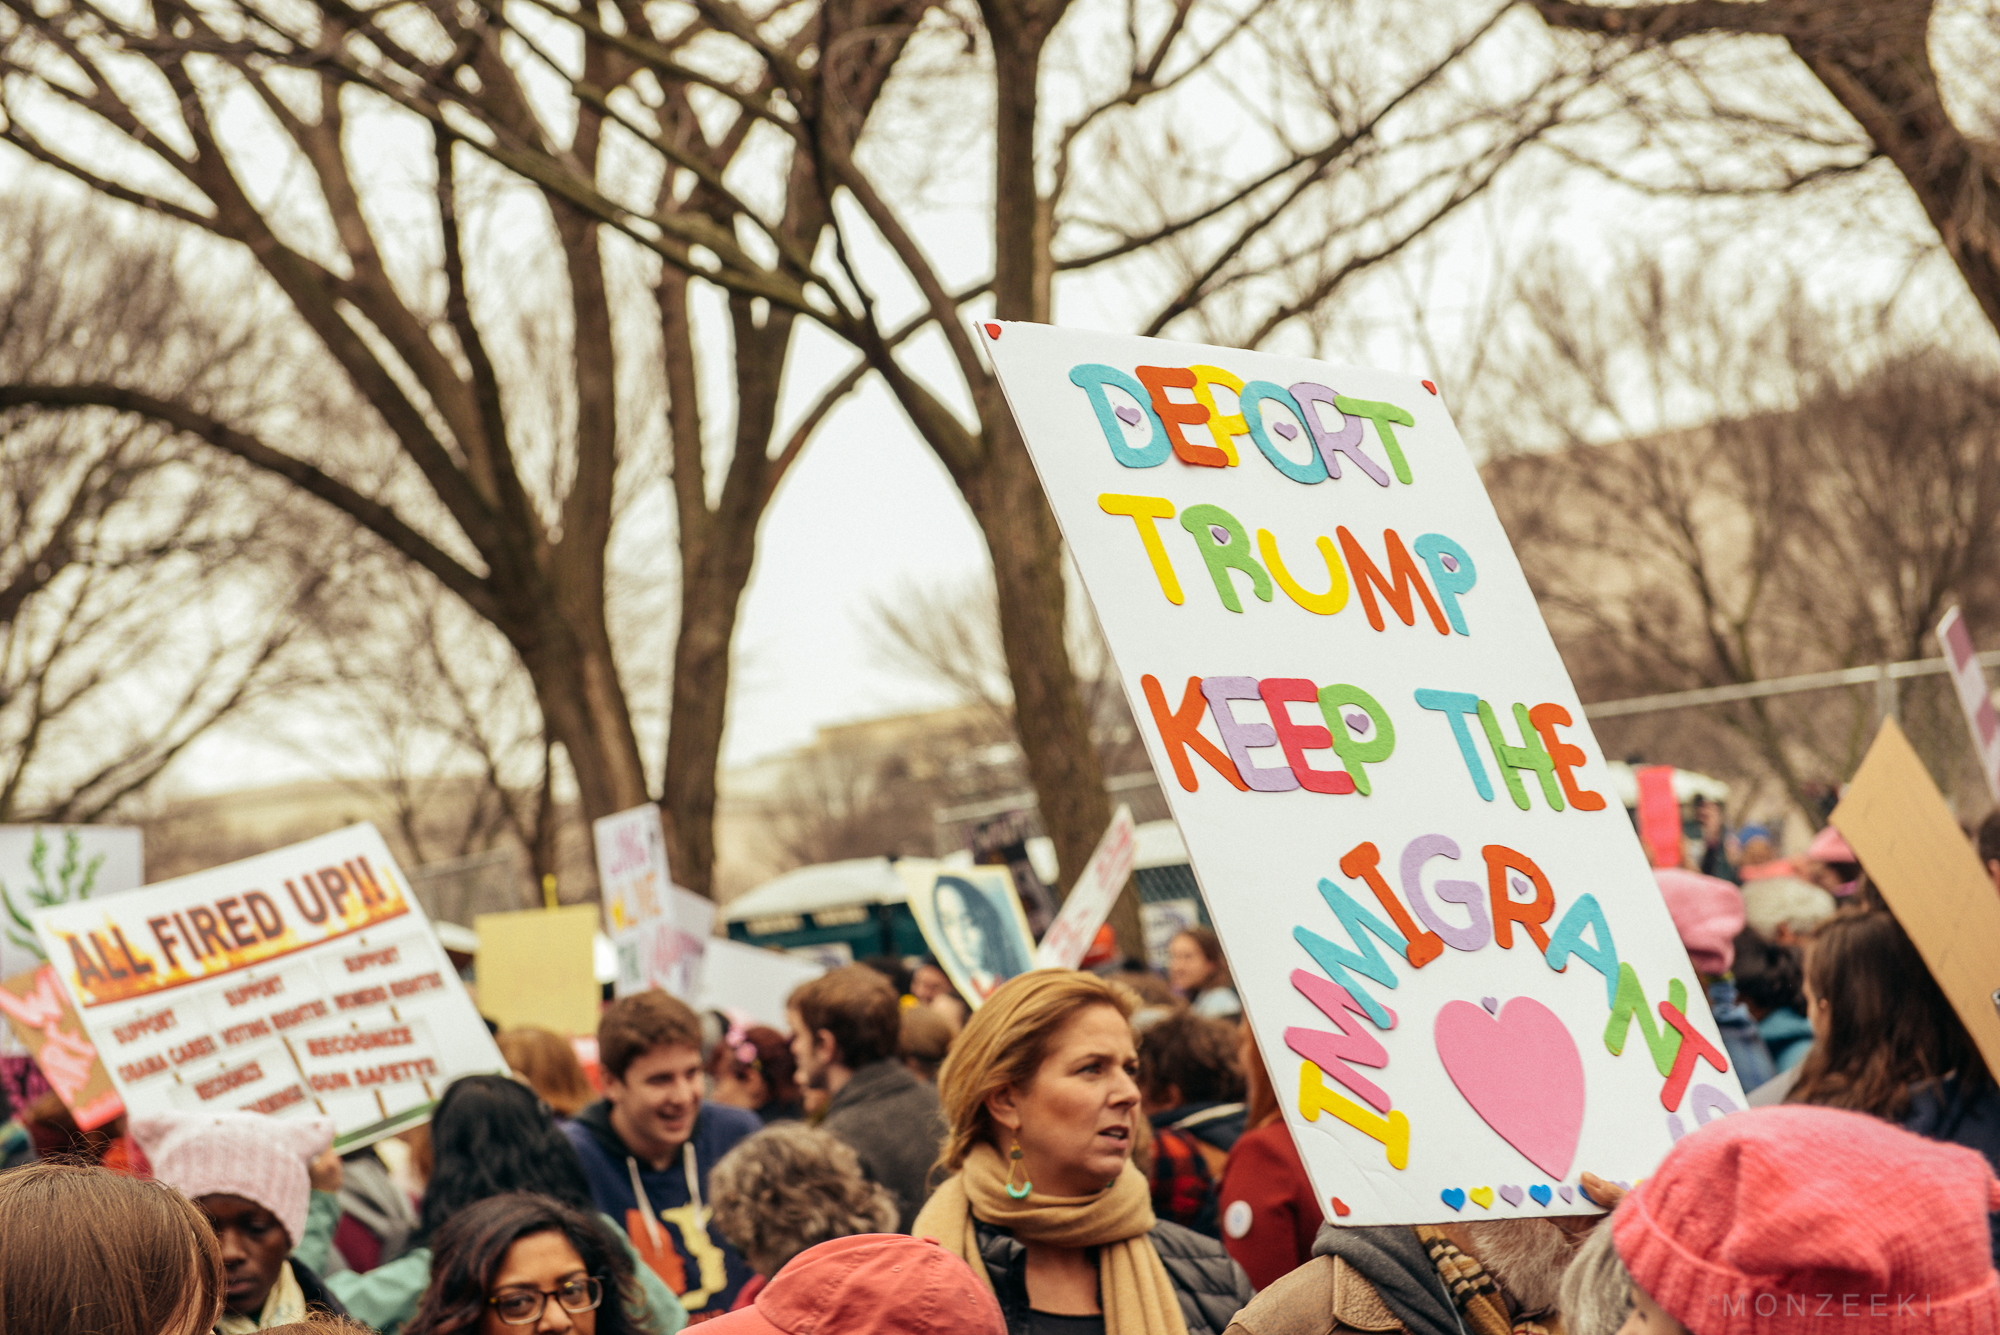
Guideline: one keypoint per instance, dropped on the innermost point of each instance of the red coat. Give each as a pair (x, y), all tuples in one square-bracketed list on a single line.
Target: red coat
[(1268, 1212)]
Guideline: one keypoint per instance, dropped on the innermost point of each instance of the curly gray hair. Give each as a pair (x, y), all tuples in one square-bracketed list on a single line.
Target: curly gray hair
[(790, 1187), (1596, 1289)]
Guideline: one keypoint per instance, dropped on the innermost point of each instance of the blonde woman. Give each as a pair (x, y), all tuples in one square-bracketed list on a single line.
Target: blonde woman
[(1044, 1203)]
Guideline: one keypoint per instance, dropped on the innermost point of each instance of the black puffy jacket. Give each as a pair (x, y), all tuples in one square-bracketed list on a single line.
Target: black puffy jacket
[(1212, 1288)]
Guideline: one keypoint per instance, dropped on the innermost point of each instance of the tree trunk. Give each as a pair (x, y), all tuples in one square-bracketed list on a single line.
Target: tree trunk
[(576, 684)]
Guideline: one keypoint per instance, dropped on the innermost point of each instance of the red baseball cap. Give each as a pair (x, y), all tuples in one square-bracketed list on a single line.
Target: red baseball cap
[(870, 1284)]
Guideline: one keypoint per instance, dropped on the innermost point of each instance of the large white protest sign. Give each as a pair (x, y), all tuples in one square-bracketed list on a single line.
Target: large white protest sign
[(754, 981), (1455, 957), (659, 931), (41, 865), (1089, 901), (302, 981)]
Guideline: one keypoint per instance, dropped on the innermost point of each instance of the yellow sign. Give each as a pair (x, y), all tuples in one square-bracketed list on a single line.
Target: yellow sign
[(536, 967), (1929, 875)]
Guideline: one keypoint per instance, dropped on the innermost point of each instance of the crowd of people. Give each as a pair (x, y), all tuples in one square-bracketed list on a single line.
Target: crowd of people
[(1097, 1151)]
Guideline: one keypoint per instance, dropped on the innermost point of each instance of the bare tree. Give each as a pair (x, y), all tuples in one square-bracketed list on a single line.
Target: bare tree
[(146, 594), (1714, 482), (732, 142), (1874, 59)]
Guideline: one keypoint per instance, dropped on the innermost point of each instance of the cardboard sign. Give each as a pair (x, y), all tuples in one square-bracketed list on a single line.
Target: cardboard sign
[(1455, 957), (536, 968), (1090, 899), (1975, 697), (972, 920), (44, 865), (1929, 874), (658, 930), (300, 982), (42, 1021)]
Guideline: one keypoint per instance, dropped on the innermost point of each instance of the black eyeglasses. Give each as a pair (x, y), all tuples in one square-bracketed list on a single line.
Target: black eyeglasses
[(523, 1307)]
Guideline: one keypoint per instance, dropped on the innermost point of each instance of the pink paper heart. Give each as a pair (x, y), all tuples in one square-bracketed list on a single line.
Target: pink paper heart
[(1128, 415), (1285, 429), (1521, 1073)]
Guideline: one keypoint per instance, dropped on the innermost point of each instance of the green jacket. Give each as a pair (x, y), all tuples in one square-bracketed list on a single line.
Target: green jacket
[(387, 1296)]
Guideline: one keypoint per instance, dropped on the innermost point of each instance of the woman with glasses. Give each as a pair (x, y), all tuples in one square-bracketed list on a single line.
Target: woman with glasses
[(490, 1136), (522, 1263)]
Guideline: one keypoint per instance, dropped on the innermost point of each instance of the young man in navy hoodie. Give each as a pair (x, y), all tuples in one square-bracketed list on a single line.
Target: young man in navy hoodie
[(648, 1144)]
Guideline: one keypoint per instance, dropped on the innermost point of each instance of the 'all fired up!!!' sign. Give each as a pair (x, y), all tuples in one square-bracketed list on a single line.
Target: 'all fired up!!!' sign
[(303, 981), (1458, 966)]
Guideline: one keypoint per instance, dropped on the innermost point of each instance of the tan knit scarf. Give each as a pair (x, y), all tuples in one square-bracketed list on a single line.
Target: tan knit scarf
[(1138, 1297)]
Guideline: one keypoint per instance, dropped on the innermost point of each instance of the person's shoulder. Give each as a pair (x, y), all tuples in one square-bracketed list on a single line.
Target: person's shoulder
[(1182, 1243), (722, 1126), (1301, 1302)]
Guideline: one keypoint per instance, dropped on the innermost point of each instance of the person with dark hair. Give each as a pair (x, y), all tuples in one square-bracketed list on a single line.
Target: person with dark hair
[(520, 1261), (974, 930), (1770, 982), (752, 1068), (1198, 972), (1890, 1043), (251, 1177), (86, 1251), (648, 1145), (1192, 1094), (846, 1029), (490, 1136), (1988, 843)]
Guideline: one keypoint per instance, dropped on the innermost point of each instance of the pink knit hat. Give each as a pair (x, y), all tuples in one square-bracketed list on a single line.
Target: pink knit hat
[(1799, 1218), (259, 1158), (1708, 913)]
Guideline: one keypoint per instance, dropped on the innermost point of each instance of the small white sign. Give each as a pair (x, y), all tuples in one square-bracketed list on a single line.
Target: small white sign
[(1089, 901), (299, 982), (658, 930)]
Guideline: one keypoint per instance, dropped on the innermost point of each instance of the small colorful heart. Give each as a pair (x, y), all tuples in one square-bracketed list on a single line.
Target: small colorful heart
[(1427, 384), (993, 331), (1482, 1197), (1568, 1193), (1285, 429), (1511, 1195), (1128, 415), (1453, 1197), (1541, 1193), (1492, 1005), (1449, 562), (1358, 722), (1339, 1206)]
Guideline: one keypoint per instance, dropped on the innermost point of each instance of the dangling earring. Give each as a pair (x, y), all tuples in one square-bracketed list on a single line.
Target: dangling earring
[(1019, 1193)]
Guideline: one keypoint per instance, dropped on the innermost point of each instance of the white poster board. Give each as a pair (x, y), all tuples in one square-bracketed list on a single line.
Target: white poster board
[(754, 981), (658, 930), (1455, 957), (1975, 697), (1089, 901), (302, 981), (972, 920), (43, 865)]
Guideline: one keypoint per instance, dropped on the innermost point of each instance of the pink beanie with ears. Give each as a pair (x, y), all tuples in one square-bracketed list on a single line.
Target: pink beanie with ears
[(262, 1159), (1799, 1218)]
